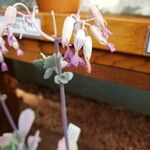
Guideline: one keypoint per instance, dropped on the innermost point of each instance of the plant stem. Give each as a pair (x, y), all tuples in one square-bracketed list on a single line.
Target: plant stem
[(62, 94), (8, 115)]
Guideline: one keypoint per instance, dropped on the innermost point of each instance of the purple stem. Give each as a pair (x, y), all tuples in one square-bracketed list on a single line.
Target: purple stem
[(62, 94), (8, 115)]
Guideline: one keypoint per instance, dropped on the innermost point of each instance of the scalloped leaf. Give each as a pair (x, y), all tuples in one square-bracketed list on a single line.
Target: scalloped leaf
[(26, 120), (69, 75), (50, 62), (48, 73), (56, 79), (63, 78), (38, 63)]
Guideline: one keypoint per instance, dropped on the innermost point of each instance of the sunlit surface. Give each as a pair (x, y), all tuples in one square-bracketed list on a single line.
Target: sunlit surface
[(140, 7)]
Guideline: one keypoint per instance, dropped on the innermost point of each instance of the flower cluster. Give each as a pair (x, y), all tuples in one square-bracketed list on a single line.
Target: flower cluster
[(6, 29), (74, 25)]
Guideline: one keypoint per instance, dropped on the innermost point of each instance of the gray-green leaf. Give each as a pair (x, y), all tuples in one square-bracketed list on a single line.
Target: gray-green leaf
[(50, 62), (63, 78), (69, 75), (48, 73), (56, 79), (39, 63), (10, 146)]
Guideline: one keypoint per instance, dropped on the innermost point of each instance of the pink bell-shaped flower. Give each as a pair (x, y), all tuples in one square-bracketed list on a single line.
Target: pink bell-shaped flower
[(67, 30), (87, 51), (79, 39)]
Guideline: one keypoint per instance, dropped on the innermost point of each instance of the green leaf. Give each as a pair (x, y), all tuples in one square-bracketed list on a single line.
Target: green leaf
[(39, 63), (50, 62), (48, 73)]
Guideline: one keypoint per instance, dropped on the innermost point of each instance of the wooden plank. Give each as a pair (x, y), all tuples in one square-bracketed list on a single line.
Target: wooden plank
[(118, 60), (122, 76), (100, 71)]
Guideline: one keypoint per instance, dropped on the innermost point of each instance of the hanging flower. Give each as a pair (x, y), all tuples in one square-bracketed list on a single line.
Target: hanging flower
[(76, 60), (98, 35), (67, 30), (10, 15), (87, 51), (68, 53), (101, 38), (79, 39), (12, 41), (99, 20)]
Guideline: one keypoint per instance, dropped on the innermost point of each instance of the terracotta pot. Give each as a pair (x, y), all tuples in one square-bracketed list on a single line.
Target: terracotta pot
[(59, 6)]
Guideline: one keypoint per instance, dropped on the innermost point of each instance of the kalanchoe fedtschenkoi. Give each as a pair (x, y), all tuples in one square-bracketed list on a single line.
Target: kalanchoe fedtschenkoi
[(73, 25), (68, 53)]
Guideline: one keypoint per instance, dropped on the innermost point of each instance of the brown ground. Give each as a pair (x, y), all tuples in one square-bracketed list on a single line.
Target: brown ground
[(103, 127)]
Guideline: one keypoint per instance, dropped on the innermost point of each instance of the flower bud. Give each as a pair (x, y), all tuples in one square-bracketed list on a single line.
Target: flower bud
[(67, 30), (87, 48), (98, 35), (79, 39)]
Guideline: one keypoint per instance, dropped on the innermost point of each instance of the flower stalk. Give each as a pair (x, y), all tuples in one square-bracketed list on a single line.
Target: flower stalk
[(61, 85), (62, 94), (7, 112)]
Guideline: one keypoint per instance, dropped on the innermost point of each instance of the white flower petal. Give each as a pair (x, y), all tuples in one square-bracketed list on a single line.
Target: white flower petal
[(10, 15), (87, 48), (98, 35), (79, 39), (67, 30)]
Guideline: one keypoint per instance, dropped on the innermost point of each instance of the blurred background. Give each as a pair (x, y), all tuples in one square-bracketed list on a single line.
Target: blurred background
[(112, 115)]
